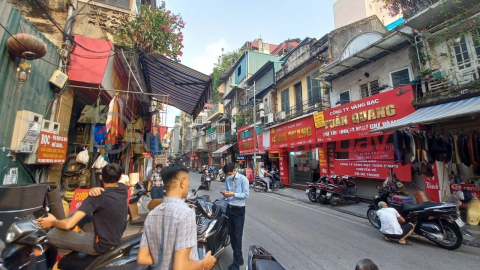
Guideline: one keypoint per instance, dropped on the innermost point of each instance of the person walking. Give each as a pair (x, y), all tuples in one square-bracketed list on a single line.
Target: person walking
[(155, 185), (236, 191)]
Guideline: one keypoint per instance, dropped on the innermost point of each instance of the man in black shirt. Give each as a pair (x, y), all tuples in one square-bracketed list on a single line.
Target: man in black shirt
[(107, 213)]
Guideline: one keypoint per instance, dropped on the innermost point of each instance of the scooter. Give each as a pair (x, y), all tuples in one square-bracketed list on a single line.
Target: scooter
[(260, 259), (276, 178), (221, 175), (342, 190), (206, 180), (259, 185)]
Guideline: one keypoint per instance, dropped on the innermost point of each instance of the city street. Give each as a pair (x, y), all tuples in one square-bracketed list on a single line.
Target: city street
[(304, 236)]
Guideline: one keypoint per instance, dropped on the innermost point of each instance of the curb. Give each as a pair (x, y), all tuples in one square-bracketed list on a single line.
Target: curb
[(471, 244)]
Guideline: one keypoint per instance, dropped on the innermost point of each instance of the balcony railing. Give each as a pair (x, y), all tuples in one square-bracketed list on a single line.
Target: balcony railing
[(216, 110), (308, 106), (412, 7)]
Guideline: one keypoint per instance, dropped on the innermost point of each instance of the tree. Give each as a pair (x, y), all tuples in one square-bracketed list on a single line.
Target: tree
[(226, 60), (153, 30), (394, 7)]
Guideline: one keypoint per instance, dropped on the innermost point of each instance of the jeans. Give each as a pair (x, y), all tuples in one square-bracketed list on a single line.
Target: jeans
[(67, 241), (157, 192), (267, 180), (236, 220)]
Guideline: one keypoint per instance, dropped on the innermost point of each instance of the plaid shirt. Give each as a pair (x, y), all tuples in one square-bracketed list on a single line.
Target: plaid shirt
[(156, 179), (170, 227)]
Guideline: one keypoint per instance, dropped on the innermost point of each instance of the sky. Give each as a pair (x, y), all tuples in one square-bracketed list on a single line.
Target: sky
[(215, 24)]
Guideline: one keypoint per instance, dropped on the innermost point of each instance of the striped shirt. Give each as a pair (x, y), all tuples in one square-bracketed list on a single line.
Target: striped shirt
[(156, 179), (170, 227)]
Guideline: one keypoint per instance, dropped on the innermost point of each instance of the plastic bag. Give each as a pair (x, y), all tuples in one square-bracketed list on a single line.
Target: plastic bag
[(83, 157), (91, 112), (459, 195), (99, 163)]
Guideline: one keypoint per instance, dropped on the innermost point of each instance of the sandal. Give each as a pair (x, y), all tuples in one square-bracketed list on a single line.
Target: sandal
[(405, 244), (387, 239)]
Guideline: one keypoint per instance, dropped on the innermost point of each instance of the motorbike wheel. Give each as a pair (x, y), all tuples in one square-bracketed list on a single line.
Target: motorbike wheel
[(312, 195), (276, 186), (454, 237), (207, 185), (322, 199), (357, 200), (258, 187), (333, 200), (372, 217)]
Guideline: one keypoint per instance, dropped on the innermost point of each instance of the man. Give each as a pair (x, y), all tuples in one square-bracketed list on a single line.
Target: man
[(236, 190), (390, 226), (108, 212), (169, 240), (155, 185), (263, 175), (213, 168)]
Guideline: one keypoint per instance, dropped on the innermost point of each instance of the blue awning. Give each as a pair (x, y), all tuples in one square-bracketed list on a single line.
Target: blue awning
[(187, 88), (435, 113)]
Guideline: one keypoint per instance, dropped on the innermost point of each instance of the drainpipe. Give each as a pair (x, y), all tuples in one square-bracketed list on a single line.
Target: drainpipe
[(72, 5), (418, 54)]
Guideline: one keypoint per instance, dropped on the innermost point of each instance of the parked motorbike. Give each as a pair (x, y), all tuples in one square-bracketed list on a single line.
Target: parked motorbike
[(221, 175), (259, 185), (260, 259), (341, 190), (2, 248), (385, 194), (206, 180)]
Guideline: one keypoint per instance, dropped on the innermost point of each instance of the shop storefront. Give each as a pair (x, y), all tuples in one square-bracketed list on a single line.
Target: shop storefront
[(296, 147), (250, 143), (347, 148)]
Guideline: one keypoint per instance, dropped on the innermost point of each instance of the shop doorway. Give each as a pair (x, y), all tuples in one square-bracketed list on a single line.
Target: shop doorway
[(303, 166)]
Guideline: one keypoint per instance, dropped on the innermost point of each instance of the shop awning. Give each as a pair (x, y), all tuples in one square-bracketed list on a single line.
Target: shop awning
[(222, 149), (385, 46), (187, 88), (435, 113)]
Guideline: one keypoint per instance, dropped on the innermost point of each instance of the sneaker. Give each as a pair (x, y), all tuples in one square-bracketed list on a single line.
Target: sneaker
[(269, 190)]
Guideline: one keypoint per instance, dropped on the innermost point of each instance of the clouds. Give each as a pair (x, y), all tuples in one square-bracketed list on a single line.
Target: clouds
[(204, 62)]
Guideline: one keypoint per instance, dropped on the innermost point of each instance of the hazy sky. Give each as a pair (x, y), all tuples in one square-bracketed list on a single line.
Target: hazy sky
[(215, 24)]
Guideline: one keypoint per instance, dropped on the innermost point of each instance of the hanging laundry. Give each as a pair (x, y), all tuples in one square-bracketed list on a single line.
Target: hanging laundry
[(476, 145), (427, 147), (458, 160), (412, 150), (398, 145), (463, 150), (471, 154)]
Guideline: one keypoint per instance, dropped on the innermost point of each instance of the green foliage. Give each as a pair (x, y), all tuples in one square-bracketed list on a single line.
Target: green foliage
[(231, 139), (226, 60), (155, 30)]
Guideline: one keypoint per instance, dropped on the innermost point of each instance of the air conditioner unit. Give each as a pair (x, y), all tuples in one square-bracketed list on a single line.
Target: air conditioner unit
[(281, 115), (269, 118), (262, 113), (26, 131), (260, 106)]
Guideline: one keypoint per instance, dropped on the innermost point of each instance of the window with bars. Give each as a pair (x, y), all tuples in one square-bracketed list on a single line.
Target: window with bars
[(369, 89), (285, 100), (314, 88), (345, 97), (461, 54)]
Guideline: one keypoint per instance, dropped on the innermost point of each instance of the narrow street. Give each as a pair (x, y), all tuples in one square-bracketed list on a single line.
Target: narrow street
[(303, 236)]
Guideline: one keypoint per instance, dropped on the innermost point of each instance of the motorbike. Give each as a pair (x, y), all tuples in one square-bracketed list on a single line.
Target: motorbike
[(206, 180), (2, 248), (24, 235), (341, 190), (212, 232), (259, 184), (221, 175), (260, 259), (276, 178)]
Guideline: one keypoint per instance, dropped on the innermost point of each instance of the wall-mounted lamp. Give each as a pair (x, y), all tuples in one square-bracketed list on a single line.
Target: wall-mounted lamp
[(366, 74)]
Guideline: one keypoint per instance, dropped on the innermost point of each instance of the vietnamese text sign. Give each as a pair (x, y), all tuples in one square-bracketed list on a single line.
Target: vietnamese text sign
[(377, 169), (300, 132), (81, 194), (11, 177), (370, 152), (461, 187), (323, 160), (319, 119), (354, 120), (52, 148), (161, 159)]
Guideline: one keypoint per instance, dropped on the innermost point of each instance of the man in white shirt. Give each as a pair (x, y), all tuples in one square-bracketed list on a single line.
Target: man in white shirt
[(390, 226), (263, 175)]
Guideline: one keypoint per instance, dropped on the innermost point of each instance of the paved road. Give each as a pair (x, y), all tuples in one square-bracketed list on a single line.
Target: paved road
[(303, 236)]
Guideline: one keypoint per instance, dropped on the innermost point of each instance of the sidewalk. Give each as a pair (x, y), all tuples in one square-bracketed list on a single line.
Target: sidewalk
[(359, 210)]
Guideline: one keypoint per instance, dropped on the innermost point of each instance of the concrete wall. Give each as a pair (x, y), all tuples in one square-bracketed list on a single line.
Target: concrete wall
[(379, 70), (348, 11)]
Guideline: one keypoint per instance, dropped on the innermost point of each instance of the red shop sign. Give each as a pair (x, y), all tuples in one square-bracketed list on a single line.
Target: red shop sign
[(454, 188), (377, 169), (295, 133), (249, 145), (354, 120), (371, 152)]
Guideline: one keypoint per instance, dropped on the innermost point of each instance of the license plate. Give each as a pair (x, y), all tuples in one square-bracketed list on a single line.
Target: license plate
[(306, 191), (459, 222), (318, 191)]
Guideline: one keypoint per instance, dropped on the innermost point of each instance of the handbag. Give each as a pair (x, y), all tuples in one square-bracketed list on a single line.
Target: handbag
[(91, 112)]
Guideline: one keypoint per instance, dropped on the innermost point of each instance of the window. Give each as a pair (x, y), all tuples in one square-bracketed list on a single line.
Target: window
[(364, 90), (313, 88), (239, 70), (285, 100), (374, 88), (461, 54), (476, 41), (246, 134), (344, 97), (369, 89), (400, 77)]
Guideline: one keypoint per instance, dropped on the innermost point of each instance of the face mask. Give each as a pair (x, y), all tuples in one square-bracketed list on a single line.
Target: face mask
[(158, 171)]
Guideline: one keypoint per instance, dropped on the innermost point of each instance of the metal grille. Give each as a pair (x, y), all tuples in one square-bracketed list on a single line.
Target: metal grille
[(364, 90), (374, 89)]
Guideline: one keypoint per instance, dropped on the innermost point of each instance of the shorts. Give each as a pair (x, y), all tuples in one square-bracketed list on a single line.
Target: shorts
[(406, 228)]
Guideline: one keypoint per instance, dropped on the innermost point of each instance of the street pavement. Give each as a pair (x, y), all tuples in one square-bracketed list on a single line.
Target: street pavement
[(305, 236)]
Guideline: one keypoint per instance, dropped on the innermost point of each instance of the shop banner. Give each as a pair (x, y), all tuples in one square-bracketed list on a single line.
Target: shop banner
[(354, 120), (300, 132), (323, 160), (284, 170), (432, 185), (249, 145), (454, 188), (377, 169), (370, 152), (52, 148), (331, 158)]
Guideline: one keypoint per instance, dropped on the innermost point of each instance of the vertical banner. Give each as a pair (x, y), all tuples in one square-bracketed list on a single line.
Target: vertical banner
[(331, 157), (283, 163), (322, 159), (432, 185)]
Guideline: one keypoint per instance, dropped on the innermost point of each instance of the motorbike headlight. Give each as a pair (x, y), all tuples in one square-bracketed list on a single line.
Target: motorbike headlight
[(208, 178), (13, 233)]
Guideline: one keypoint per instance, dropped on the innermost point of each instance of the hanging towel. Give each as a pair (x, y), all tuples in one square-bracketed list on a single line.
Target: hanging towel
[(458, 160)]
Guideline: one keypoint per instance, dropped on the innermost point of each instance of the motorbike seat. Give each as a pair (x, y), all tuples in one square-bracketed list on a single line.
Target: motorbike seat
[(409, 207), (264, 264), (78, 260)]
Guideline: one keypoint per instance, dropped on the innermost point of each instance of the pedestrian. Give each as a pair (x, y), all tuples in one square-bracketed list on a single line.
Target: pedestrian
[(390, 226), (169, 240), (155, 185), (366, 264), (236, 191)]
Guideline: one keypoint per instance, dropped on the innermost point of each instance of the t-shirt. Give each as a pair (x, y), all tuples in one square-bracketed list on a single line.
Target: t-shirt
[(389, 222), (124, 179), (109, 213), (261, 173)]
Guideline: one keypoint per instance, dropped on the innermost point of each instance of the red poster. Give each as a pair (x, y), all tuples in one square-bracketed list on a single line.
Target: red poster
[(52, 148), (248, 145), (354, 120), (300, 132), (470, 187), (432, 185), (284, 170), (322, 159), (371, 152), (377, 169), (260, 142), (81, 194), (331, 158)]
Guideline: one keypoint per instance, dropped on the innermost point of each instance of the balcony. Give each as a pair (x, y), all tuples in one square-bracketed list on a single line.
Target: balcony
[(217, 110), (306, 107), (423, 14)]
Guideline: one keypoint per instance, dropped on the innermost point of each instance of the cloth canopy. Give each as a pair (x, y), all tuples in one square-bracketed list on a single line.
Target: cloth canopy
[(221, 150)]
